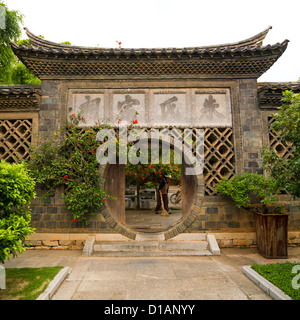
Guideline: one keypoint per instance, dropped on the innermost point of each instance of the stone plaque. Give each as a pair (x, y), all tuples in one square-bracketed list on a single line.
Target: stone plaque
[(91, 106), (213, 108), (169, 109), (157, 108), (127, 107)]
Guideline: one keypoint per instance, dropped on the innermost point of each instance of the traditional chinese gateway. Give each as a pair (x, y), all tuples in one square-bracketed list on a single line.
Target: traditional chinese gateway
[(213, 88)]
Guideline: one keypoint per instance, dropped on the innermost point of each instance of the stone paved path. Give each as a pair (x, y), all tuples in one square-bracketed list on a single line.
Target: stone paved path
[(167, 278)]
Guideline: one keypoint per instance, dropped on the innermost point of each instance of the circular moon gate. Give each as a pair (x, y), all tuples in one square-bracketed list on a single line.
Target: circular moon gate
[(114, 211)]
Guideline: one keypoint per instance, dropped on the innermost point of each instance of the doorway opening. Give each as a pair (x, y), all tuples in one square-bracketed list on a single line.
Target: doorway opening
[(146, 209), (131, 216)]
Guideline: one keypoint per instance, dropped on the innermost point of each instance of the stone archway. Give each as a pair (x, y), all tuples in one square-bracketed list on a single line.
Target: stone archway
[(114, 211)]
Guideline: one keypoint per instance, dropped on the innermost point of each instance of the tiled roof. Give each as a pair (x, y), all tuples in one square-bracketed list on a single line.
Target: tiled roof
[(270, 93), (14, 97), (23, 89), (245, 58)]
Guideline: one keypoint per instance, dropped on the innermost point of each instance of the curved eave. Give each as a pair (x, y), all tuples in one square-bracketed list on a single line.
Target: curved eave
[(209, 61), (254, 41)]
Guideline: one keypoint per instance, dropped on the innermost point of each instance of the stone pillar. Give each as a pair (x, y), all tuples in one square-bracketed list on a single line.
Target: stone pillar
[(251, 126), (50, 110)]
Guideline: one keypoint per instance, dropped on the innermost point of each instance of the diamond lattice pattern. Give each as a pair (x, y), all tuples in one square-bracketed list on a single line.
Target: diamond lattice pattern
[(15, 139)]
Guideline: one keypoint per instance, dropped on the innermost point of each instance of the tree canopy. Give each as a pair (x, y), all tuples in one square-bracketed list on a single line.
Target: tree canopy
[(11, 32)]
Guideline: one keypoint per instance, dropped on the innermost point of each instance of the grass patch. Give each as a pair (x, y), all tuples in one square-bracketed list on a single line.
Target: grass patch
[(27, 283), (280, 274)]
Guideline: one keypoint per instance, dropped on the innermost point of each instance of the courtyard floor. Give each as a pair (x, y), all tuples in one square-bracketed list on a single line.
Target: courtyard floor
[(154, 278), (147, 220)]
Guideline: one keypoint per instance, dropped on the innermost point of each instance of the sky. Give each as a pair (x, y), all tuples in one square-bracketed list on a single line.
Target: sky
[(168, 23)]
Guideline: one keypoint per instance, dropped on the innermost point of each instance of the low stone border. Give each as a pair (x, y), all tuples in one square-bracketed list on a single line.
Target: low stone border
[(213, 244), (88, 247), (269, 288), (54, 284)]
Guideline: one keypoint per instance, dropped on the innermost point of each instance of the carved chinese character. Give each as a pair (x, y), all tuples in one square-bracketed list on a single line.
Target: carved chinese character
[(90, 109), (209, 112), (169, 110), (126, 110)]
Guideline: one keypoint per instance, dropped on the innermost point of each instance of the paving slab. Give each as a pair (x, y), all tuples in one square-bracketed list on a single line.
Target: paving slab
[(153, 278)]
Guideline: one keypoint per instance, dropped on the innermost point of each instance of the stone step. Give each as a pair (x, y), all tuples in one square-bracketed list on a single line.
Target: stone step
[(152, 245), (174, 253)]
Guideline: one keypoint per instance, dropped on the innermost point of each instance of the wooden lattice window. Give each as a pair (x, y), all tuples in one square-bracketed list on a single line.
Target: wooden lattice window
[(15, 138)]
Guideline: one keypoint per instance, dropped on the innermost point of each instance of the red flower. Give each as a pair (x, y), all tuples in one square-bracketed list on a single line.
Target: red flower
[(82, 117), (135, 122), (104, 199), (160, 172), (119, 121), (74, 219), (92, 151), (73, 115), (119, 43), (66, 176)]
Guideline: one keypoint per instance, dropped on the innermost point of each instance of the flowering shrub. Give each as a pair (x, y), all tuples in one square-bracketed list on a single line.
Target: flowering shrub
[(150, 175), (69, 159)]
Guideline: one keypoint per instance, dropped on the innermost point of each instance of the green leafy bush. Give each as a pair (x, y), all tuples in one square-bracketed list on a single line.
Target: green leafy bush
[(287, 125), (69, 159), (245, 189), (17, 189)]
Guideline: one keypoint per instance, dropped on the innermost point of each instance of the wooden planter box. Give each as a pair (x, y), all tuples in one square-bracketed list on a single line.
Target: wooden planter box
[(271, 235)]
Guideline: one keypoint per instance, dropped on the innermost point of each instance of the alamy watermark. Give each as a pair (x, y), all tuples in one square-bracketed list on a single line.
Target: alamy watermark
[(296, 279), (2, 278), (145, 146), (2, 17)]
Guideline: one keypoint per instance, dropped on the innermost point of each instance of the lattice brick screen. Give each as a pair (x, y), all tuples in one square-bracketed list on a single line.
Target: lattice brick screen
[(15, 137), (283, 150), (219, 157)]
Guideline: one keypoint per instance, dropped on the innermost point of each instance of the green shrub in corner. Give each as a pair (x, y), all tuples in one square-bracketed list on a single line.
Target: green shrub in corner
[(17, 189), (249, 189)]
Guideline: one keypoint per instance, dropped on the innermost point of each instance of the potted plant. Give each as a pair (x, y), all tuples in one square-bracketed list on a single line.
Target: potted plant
[(258, 194)]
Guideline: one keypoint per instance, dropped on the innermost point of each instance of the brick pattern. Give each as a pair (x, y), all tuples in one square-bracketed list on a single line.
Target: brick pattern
[(251, 126), (50, 109)]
